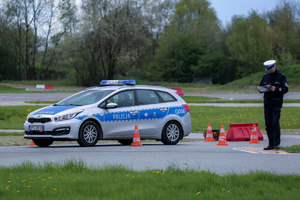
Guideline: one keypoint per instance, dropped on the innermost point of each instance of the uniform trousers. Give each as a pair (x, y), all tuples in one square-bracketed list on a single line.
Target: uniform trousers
[(272, 109)]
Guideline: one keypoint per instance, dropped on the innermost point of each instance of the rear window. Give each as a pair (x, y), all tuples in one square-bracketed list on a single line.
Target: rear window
[(166, 97)]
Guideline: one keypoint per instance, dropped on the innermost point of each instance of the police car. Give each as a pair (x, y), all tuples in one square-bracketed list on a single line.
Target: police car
[(110, 112)]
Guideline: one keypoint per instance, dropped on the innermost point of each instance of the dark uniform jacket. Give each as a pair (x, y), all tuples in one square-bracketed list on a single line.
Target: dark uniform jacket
[(278, 80)]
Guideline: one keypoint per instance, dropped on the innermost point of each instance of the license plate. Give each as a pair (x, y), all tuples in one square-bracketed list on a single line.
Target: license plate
[(36, 128)]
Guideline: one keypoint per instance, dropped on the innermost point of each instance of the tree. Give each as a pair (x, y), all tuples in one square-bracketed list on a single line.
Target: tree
[(193, 33), (247, 44), (112, 38), (27, 18), (284, 34), (8, 69)]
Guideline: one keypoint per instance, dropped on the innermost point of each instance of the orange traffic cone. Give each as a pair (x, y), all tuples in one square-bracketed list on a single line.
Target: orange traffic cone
[(253, 137), (32, 143), (209, 135), (222, 137), (136, 142)]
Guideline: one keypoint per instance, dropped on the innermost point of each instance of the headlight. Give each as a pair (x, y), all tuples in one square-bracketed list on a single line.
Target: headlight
[(66, 117)]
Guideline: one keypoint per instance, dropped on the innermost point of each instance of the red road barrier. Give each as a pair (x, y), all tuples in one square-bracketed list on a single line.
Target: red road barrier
[(242, 132), (42, 86), (48, 86), (178, 90)]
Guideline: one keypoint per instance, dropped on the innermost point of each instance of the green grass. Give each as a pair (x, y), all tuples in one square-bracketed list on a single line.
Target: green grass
[(73, 180), (291, 149), (198, 99), (13, 117), (11, 134), (292, 73), (7, 89), (217, 116), (42, 102), (201, 99), (57, 83)]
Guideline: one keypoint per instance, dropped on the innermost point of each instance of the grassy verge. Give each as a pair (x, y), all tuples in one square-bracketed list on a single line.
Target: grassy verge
[(64, 82), (42, 102), (291, 149), (13, 117), (197, 99), (201, 116), (7, 89), (201, 99), (11, 134), (73, 180)]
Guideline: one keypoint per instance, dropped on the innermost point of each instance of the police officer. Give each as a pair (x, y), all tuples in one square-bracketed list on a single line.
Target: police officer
[(276, 86)]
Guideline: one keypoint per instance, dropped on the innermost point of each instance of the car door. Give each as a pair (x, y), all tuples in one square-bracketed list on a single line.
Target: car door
[(151, 113), (119, 122)]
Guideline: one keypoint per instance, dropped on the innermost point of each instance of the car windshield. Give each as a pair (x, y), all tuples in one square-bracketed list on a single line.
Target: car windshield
[(84, 98)]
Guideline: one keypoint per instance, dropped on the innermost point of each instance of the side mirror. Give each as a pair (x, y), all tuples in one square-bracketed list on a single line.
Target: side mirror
[(111, 105)]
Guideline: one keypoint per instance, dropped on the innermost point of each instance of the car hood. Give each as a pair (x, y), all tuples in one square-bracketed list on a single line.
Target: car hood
[(53, 110)]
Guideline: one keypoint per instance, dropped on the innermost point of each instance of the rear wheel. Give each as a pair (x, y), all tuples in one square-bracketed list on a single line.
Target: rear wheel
[(171, 133), (125, 142), (89, 134), (42, 142)]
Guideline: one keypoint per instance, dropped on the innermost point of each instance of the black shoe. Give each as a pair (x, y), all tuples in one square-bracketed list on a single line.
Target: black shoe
[(277, 147), (268, 148)]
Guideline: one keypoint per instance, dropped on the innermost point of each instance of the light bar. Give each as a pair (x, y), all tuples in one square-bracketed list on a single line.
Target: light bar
[(117, 82)]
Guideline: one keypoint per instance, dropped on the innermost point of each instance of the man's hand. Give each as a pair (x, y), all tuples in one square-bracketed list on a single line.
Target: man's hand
[(273, 88)]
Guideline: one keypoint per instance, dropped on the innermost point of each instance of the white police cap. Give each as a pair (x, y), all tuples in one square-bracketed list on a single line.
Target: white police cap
[(269, 64)]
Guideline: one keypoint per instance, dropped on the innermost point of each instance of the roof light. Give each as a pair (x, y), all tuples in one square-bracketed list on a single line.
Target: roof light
[(117, 82)]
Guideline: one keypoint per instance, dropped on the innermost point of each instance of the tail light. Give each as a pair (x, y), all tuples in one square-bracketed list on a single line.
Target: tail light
[(186, 107)]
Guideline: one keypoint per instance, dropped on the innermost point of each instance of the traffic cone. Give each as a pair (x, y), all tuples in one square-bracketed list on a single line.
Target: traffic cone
[(32, 143), (136, 142), (222, 137), (209, 135), (253, 137)]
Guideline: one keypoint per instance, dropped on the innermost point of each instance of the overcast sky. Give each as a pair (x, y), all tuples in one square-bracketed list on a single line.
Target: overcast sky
[(225, 9)]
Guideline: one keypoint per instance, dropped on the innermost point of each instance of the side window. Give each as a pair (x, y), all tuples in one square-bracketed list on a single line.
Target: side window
[(166, 97), (145, 97), (123, 99)]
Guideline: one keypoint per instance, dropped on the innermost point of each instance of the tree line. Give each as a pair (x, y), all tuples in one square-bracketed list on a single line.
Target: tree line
[(155, 40)]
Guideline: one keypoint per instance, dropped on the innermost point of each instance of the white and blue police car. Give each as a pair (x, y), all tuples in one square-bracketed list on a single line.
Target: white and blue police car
[(110, 112)]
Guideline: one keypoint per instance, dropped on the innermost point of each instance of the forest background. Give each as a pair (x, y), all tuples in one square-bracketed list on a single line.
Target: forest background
[(154, 40)]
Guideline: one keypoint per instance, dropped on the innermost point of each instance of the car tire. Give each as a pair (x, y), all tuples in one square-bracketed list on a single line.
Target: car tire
[(171, 133), (125, 142), (42, 142), (89, 134)]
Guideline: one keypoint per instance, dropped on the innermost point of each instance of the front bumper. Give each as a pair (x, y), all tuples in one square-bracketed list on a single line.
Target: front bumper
[(63, 130)]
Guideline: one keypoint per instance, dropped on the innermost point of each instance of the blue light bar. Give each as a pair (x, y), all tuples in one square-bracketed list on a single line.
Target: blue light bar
[(117, 82)]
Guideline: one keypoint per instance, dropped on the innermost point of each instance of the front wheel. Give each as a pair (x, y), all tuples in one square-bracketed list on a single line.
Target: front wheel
[(89, 134), (42, 142), (171, 133)]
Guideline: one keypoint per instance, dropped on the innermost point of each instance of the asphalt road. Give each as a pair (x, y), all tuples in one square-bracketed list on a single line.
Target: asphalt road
[(198, 155), (242, 96), (19, 98)]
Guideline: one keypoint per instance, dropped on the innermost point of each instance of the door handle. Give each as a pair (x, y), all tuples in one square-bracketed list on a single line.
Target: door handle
[(163, 109), (134, 112)]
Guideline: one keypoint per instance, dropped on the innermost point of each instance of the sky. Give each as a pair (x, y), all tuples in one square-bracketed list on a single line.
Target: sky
[(226, 9)]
